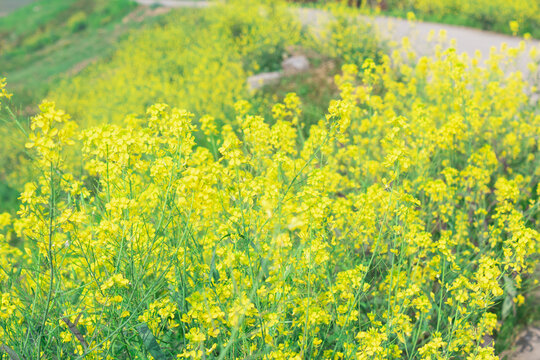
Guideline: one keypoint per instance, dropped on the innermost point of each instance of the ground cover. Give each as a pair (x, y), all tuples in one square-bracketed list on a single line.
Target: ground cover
[(42, 41)]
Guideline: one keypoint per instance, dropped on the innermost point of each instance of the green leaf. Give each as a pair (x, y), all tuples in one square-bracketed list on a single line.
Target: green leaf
[(213, 274), (508, 307), (150, 342), (510, 287), (10, 352)]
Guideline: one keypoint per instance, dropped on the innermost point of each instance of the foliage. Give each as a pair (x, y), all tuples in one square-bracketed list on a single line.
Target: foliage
[(72, 34), (47, 38), (36, 25), (402, 227)]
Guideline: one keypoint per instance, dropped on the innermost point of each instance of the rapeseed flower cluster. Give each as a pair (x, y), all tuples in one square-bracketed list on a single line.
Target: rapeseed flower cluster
[(197, 59), (3, 92), (396, 229)]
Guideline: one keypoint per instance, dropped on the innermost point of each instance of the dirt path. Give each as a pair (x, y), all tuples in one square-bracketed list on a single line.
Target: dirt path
[(467, 40), (175, 3), (7, 6)]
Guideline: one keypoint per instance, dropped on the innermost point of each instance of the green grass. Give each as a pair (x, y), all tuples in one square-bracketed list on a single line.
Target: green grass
[(50, 39)]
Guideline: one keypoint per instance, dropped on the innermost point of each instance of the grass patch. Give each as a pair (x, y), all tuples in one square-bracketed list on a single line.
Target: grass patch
[(46, 40)]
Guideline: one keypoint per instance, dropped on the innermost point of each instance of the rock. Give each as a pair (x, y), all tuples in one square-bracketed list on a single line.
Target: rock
[(258, 81), (488, 340), (295, 64), (292, 65)]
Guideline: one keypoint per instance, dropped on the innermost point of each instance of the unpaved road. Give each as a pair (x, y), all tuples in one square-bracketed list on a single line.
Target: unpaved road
[(174, 4), (467, 40), (7, 6)]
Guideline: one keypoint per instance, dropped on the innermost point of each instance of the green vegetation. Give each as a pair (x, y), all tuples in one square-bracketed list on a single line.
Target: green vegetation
[(197, 59), (47, 39), (402, 227)]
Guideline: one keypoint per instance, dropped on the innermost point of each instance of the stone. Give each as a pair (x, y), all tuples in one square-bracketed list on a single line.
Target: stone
[(258, 81), (295, 64)]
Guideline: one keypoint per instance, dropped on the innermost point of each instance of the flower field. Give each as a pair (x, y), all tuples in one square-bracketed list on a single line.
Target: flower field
[(518, 17), (401, 225)]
